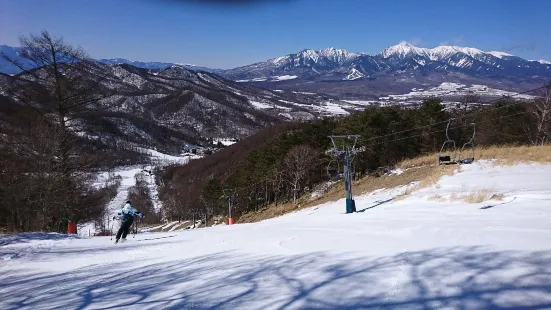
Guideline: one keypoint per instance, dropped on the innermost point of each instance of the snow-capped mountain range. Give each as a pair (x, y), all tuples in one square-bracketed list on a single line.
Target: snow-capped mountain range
[(337, 64), (439, 53), (397, 69)]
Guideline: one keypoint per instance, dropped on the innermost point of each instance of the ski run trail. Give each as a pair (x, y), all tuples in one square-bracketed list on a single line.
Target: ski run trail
[(128, 180), (427, 250)]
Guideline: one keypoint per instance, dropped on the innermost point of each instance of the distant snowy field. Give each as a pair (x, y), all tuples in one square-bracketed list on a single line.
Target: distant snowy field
[(411, 253), (455, 89)]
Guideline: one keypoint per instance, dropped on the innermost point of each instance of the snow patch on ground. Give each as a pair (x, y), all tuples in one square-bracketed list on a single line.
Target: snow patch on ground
[(225, 142), (285, 77), (397, 171), (361, 103), (334, 108), (270, 79), (354, 75), (149, 229), (162, 159), (260, 105), (326, 108), (253, 80)]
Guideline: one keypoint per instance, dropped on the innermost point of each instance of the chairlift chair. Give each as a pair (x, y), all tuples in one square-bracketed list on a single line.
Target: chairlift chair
[(333, 172), (447, 159), (468, 144)]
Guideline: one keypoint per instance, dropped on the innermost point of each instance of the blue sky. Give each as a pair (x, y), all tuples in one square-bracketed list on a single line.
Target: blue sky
[(226, 36)]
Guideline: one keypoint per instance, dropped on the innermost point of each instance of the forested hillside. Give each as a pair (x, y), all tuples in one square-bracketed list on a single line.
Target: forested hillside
[(282, 163)]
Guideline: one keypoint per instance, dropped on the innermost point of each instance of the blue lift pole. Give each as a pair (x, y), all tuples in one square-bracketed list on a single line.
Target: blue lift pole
[(347, 153), (350, 203)]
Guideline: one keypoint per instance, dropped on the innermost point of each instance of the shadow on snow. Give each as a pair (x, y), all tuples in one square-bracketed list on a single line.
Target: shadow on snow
[(498, 204), (458, 278), (377, 203), (28, 237)]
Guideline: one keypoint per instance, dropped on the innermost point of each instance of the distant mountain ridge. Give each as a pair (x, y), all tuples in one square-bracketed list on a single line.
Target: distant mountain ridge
[(155, 65), (396, 69), (13, 52)]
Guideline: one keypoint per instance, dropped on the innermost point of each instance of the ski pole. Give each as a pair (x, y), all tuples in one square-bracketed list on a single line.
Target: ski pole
[(112, 225), (136, 225)]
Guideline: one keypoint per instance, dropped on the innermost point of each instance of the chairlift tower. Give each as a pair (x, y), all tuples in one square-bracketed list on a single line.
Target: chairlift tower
[(344, 147)]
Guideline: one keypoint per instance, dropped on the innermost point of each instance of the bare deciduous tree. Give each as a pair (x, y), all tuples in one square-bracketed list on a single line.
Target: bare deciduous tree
[(467, 102), (50, 162), (298, 163), (541, 111)]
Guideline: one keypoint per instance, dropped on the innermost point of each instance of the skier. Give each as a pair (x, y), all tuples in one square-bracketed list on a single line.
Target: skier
[(127, 213)]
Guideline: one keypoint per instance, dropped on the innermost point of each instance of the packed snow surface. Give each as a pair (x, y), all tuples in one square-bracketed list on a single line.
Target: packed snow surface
[(417, 252)]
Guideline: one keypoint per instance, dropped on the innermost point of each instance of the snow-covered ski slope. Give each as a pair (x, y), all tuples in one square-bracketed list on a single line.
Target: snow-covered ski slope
[(429, 250)]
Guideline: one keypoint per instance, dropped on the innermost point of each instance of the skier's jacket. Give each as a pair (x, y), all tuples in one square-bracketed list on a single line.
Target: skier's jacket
[(128, 212)]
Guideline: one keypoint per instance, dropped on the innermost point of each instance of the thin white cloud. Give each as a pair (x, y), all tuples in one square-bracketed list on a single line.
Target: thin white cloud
[(416, 41), (460, 40)]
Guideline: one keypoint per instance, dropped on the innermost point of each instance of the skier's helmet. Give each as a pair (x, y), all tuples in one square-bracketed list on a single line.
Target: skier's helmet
[(127, 206)]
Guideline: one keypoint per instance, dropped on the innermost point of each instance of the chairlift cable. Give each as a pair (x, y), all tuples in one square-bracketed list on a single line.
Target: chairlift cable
[(437, 131)]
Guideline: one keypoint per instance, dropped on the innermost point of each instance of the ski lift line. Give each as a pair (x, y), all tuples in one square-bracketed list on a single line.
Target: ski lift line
[(438, 131), (346, 150), (345, 136), (456, 118), (403, 138)]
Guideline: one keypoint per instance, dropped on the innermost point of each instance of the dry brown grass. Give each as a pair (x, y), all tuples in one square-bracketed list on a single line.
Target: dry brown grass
[(424, 170), (422, 161), (437, 197), (477, 196), (497, 197), (508, 155), (270, 212)]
